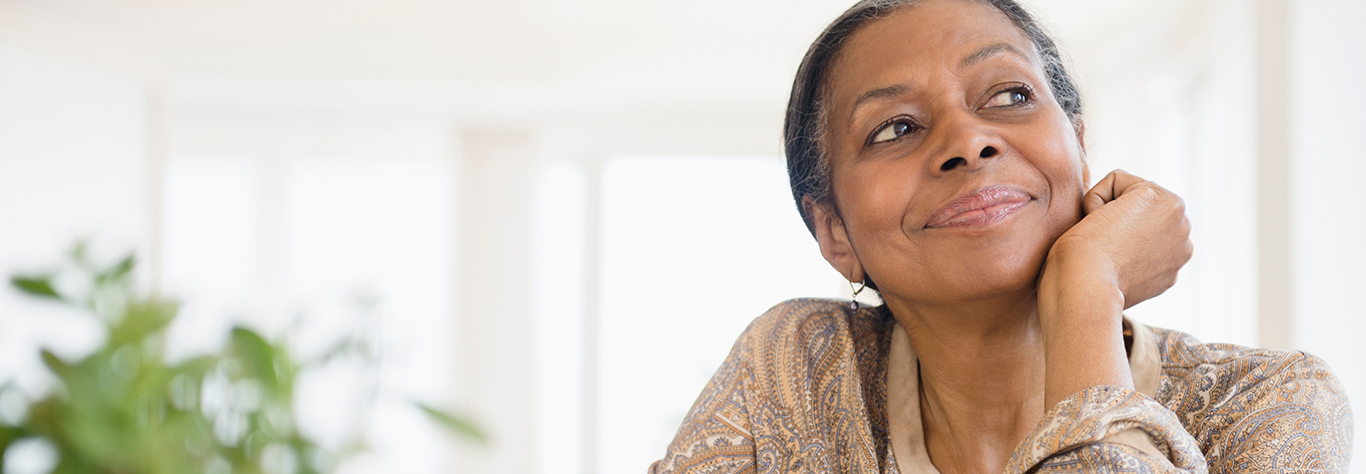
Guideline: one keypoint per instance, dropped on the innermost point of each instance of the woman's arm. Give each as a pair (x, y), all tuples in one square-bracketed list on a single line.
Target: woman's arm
[(790, 397), (1128, 248), (1241, 410), (1108, 429), (716, 435), (1259, 410), (1080, 307), (1245, 410)]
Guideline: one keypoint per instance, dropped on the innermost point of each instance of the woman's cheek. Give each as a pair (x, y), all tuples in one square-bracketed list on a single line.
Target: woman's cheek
[(884, 193), (1065, 171)]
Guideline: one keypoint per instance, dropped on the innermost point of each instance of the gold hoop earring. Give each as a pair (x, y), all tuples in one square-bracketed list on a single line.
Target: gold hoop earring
[(853, 301)]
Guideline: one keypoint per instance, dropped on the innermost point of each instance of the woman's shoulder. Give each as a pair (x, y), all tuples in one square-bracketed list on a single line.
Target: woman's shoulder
[(1230, 396), (1233, 366), (810, 335), (822, 310), (796, 386), (804, 320)]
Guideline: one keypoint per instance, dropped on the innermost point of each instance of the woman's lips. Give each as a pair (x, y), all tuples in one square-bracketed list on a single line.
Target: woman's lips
[(982, 207)]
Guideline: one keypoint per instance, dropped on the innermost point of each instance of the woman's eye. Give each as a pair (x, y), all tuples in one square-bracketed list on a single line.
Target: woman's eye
[(1008, 98), (892, 131)]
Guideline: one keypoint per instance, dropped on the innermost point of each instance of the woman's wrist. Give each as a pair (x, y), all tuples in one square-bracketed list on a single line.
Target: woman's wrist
[(1080, 312), (1079, 281)]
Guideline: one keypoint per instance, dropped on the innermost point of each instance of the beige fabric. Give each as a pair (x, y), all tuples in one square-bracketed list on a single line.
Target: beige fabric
[(903, 406), (1144, 359), (1145, 362)]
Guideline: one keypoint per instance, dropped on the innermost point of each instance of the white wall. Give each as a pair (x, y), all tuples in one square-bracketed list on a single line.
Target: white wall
[(1328, 237), (73, 164)]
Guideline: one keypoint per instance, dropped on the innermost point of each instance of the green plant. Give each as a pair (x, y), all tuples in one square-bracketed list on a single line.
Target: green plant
[(126, 409)]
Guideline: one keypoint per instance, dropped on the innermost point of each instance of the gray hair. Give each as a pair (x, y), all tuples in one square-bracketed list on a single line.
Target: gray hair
[(808, 164)]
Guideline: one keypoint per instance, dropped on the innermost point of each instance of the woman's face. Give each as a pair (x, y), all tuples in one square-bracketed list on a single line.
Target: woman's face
[(953, 168)]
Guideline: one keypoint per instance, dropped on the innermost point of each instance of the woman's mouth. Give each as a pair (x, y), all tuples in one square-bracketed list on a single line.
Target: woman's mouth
[(982, 207)]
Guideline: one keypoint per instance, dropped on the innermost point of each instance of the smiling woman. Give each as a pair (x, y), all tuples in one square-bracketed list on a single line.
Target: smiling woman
[(936, 147)]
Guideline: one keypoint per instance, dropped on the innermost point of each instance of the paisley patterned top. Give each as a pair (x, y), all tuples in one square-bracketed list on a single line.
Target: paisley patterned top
[(805, 389)]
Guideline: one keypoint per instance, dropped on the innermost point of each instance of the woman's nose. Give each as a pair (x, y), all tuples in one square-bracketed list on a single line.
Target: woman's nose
[(965, 147), (958, 161)]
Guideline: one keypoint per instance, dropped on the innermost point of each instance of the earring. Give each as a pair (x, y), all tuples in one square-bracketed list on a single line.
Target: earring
[(853, 301)]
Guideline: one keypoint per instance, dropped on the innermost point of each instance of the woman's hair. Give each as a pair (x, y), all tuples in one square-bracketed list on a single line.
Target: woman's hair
[(808, 165)]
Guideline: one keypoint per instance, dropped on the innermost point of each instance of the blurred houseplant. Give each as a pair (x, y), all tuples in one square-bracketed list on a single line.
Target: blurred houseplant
[(126, 409)]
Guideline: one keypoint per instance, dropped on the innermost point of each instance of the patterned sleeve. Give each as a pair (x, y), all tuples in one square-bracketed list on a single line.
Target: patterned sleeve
[(1289, 413), (716, 435), (1108, 429), (1247, 411)]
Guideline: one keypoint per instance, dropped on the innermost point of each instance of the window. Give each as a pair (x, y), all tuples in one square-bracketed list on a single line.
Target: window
[(558, 223), (323, 249), (693, 249)]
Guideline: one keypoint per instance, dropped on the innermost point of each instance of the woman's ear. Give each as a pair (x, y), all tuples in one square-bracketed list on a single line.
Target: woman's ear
[(1080, 126), (833, 239)]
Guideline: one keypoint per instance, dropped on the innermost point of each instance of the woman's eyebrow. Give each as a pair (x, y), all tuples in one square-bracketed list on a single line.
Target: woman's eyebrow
[(989, 51), (891, 91), (880, 93)]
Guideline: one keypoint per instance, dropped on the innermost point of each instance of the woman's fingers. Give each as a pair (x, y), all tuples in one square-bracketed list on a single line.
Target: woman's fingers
[(1111, 187), (1143, 229), (1099, 194)]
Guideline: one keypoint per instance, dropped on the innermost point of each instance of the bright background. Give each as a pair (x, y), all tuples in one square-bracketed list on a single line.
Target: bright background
[(568, 209)]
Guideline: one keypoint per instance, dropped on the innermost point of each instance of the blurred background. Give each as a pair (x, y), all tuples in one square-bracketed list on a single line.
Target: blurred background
[(557, 215)]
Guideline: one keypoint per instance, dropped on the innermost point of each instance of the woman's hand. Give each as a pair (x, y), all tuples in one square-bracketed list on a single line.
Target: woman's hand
[(1134, 228), (1128, 248)]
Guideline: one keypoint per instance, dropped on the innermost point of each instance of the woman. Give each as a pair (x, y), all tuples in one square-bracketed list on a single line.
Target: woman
[(935, 147)]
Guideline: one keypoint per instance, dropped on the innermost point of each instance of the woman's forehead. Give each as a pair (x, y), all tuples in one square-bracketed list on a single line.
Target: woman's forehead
[(915, 42)]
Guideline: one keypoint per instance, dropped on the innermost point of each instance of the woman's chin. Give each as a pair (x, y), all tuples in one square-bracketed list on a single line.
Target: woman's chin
[(972, 277)]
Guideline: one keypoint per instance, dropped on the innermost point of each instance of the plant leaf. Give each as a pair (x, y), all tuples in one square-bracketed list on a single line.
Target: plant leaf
[(55, 364), (197, 367), (343, 347), (119, 271), (77, 252), (455, 424), (258, 354), (40, 286), (142, 318), (8, 434)]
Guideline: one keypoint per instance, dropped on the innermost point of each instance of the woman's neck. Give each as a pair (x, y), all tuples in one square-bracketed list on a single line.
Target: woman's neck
[(981, 378)]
